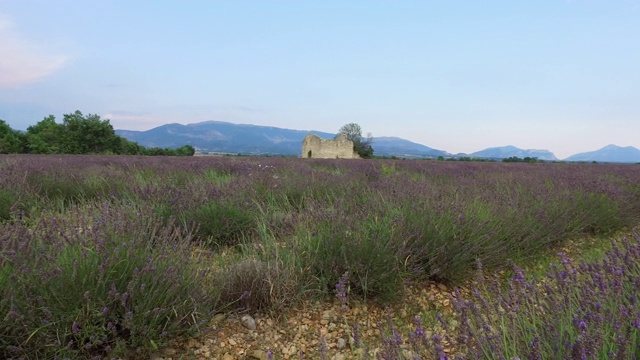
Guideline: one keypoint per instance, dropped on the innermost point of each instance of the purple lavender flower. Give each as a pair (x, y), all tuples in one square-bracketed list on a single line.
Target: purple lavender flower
[(442, 321), (75, 328), (582, 325), (341, 290), (356, 336), (419, 330)]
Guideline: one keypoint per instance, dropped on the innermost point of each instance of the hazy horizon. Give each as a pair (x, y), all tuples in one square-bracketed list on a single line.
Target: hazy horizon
[(460, 76)]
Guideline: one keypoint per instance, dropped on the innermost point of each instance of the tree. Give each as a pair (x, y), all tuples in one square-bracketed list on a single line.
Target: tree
[(45, 137), (10, 140), (361, 146), (128, 147), (78, 134), (88, 134), (186, 150)]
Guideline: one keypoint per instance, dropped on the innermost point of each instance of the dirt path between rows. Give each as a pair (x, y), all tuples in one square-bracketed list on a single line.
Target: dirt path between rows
[(301, 330)]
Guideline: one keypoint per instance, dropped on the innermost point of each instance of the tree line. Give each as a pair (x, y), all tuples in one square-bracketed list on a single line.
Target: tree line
[(77, 134)]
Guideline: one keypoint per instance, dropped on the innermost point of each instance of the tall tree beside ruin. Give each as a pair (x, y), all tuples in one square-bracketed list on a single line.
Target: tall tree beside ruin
[(362, 146)]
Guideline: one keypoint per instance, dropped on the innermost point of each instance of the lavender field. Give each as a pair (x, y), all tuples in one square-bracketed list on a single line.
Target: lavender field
[(115, 256)]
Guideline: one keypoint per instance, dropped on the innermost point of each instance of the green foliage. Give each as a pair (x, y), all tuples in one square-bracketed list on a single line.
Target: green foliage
[(7, 200), (365, 250), (360, 145), (87, 134), (217, 176), (66, 189), (388, 169), (10, 140), (78, 134), (221, 223), (126, 147), (527, 159), (468, 158), (46, 137), (186, 150), (602, 214)]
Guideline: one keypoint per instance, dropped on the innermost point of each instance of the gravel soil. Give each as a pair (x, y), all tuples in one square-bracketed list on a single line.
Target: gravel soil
[(301, 331)]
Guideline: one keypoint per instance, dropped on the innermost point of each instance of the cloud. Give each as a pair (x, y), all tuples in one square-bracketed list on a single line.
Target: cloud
[(22, 62)]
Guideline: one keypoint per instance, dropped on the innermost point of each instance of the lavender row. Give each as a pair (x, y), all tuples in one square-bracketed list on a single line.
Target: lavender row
[(579, 310)]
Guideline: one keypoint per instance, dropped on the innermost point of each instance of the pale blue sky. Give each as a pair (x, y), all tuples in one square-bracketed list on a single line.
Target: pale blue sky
[(459, 76)]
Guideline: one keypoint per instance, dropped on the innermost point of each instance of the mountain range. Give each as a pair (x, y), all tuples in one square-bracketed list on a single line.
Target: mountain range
[(225, 137), (609, 153), (504, 152)]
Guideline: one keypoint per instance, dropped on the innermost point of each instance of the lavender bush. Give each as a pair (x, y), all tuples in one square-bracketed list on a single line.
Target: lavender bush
[(102, 280), (584, 310)]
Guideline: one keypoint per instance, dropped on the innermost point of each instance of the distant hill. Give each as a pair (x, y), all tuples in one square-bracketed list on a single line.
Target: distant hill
[(219, 136), (394, 146), (504, 152), (609, 153)]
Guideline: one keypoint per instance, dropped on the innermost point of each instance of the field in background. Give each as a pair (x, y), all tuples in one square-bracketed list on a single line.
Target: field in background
[(105, 255)]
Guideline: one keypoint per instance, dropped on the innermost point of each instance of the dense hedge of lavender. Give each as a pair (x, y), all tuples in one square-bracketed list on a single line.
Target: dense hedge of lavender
[(72, 222)]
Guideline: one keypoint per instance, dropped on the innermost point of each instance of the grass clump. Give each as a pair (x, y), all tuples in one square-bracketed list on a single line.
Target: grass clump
[(365, 250), (7, 201), (101, 281), (252, 284), (221, 223), (217, 176)]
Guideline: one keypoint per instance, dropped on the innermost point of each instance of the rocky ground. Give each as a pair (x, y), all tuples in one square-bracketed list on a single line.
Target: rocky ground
[(303, 330)]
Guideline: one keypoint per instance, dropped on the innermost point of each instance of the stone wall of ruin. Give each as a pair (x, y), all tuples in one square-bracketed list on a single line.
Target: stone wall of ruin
[(314, 146)]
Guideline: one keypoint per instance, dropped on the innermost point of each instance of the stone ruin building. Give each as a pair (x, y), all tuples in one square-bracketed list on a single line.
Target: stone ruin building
[(316, 147)]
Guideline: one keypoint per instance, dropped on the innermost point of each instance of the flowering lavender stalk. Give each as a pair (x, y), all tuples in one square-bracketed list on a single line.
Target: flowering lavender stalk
[(342, 291), (324, 349), (357, 342)]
